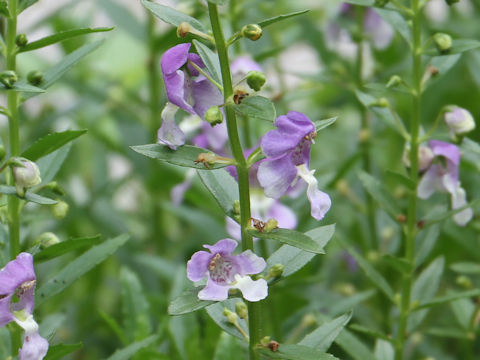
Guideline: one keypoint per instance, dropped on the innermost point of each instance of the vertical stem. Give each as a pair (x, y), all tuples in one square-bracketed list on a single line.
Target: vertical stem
[(411, 229), (14, 133), (364, 128), (242, 170)]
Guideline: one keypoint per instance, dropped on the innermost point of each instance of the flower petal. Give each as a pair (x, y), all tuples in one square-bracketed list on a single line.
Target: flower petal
[(233, 229), (34, 347), (252, 290), (170, 133), (428, 183), (319, 201), (197, 266), (174, 58), (276, 176), (283, 214), (224, 246), (459, 200), (250, 263), (213, 291), (178, 87), (205, 95)]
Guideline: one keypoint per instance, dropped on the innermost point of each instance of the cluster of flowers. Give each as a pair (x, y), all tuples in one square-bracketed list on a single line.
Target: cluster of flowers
[(284, 170)]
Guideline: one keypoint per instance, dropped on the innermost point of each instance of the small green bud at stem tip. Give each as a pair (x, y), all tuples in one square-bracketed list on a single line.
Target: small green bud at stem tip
[(252, 32), (214, 116), (255, 80), (21, 40), (443, 42), (35, 77)]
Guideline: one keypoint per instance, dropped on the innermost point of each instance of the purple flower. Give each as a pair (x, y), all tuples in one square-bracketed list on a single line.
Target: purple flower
[(288, 154), (225, 271), (185, 86), (443, 176), (18, 278), (377, 29), (459, 121), (170, 133)]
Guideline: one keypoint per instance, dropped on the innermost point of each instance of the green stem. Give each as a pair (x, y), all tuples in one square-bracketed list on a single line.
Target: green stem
[(255, 329), (14, 132), (411, 229)]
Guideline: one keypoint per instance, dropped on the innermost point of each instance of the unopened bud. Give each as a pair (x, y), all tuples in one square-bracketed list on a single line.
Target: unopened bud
[(395, 80), (54, 187), (343, 188), (241, 309), (381, 102), (443, 42), (364, 135), (255, 80), (265, 341), (8, 78), (21, 40), (232, 318), (459, 121), (46, 239), (276, 271), (270, 225), (214, 116), (183, 29), (60, 209), (373, 256), (35, 77), (309, 320), (252, 32), (26, 174), (464, 281)]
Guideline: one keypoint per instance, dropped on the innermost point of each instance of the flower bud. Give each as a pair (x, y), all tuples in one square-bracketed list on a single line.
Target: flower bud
[(381, 102), (308, 320), (21, 40), (26, 174), (459, 120), (183, 29), (232, 318), (270, 225), (241, 309), (443, 42), (252, 32), (54, 187), (395, 80), (60, 210), (35, 77), (8, 78), (276, 271), (255, 80), (46, 239), (214, 116), (425, 157), (265, 341), (464, 281), (4, 8)]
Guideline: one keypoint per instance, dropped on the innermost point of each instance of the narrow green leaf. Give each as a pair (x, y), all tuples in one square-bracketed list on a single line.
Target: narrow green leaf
[(58, 70), (222, 186), (23, 4), (50, 143), (449, 332), (293, 258), (397, 21), (296, 352), (185, 155), (57, 352), (377, 279), (381, 195), (384, 350), (458, 46), (114, 326), (322, 124), (322, 337), (187, 302), (210, 59), (443, 64), (22, 86), (432, 219), (135, 309), (231, 348), (350, 302), (400, 264), (290, 237), (466, 267), (218, 2), (373, 333), (463, 309), (425, 242), (127, 352), (124, 19), (424, 289), (361, 2), (61, 36), (65, 247), (471, 151), (448, 298), (400, 179), (29, 196), (354, 347), (50, 165), (78, 267), (172, 16), (275, 19), (257, 108), (215, 311)]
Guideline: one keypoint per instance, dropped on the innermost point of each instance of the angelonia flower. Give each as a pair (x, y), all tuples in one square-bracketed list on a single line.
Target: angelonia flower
[(287, 149), (27, 174), (442, 175), (18, 278), (459, 121), (225, 271)]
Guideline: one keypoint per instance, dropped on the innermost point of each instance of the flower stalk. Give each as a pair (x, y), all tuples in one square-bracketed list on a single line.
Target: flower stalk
[(255, 329), (411, 229)]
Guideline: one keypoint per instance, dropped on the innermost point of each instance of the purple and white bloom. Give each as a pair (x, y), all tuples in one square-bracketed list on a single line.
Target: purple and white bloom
[(225, 271), (288, 155), (443, 176), (185, 86), (459, 121), (425, 157), (377, 29), (170, 133), (18, 278)]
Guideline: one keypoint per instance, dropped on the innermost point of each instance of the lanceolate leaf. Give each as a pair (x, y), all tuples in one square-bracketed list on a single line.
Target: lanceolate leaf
[(50, 143), (65, 247), (185, 155), (58, 70), (290, 237), (322, 124), (296, 352), (187, 302), (57, 352), (22, 86), (78, 267), (222, 186), (257, 108), (127, 352), (397, 21), (29, 196), (276, 19), (23, 4), (61, 36), (380, 194), (172, 16), (210, 60), (216, 313)]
